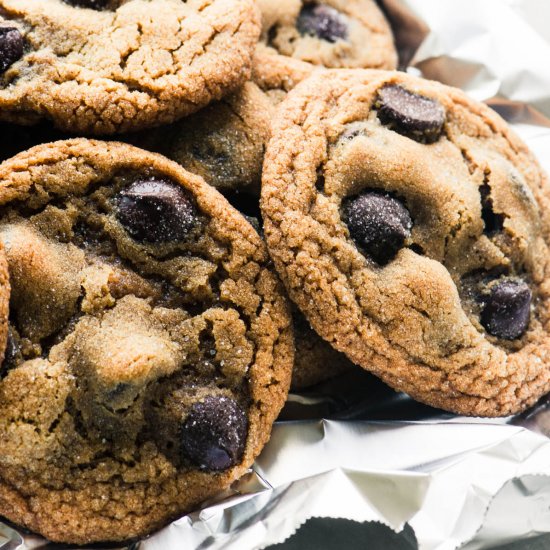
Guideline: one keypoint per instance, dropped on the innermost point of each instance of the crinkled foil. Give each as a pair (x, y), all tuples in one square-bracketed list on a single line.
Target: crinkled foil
[(359, 453)]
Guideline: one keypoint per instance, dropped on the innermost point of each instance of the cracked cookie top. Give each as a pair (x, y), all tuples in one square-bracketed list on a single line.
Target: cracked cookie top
[(225, 142), (104, 67), (149, 348), (314, 359), (332, 33), (411, 226)]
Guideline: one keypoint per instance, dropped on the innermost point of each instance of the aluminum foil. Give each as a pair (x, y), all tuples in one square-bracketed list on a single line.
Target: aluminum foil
[(383, 468)]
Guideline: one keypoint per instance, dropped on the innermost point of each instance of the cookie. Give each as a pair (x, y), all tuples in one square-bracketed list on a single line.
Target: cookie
[(332, 33), (314, 359), (224, 142), (411, 227), (4, 304), (150, 343), (277, 74), (104, 67)]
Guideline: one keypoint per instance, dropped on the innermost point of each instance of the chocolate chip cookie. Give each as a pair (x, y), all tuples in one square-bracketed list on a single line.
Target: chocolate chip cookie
[(314, 359), (150, 345), (109, 66), (224, 142), (277, 74), (411, 226), (4, 304), (332, 33)]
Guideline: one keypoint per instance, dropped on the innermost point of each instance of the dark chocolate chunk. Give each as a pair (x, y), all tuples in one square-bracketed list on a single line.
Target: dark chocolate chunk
[(493, 222), (91, 4), (378, 223), (155, 211), (507, 309), (214, 434), (11, 47), (323, 22), (413, 115)]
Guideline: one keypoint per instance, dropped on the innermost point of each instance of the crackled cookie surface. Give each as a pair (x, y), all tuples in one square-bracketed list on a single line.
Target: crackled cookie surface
[(224, 142), (332, 33), (149, 348), (411, 227), (102, 67)]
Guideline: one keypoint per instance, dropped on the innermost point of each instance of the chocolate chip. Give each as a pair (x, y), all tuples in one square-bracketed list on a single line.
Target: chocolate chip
[(214, 434), (91, 4), (378, 223), (493, 222), (11, 47), (413, 115), (155, 211), (507, 308), (323, 22)]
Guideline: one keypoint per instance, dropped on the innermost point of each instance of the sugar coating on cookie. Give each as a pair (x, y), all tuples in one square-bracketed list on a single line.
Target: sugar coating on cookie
[(331, 33), (277, 74), (314, 359), (108, 67), (411, 227), (224, 142), (150, 346)]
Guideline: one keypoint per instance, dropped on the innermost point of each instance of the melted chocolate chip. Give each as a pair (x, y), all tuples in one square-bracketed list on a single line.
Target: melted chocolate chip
[(11, 47), (323, 22), (214, 434), (91, 4), (155, 211), (507, 309), (413, 115), (378, 223), (493, 222)]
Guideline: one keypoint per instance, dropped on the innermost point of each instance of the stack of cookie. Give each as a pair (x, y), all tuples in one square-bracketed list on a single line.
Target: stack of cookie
[(149, 342)]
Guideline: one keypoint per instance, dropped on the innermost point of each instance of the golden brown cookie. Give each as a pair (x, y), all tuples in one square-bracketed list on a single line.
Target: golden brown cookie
[(314, 359), (277, 74), (109, 66), (224, 142), (411, 227), (332, 33), (151, 346)]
